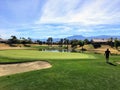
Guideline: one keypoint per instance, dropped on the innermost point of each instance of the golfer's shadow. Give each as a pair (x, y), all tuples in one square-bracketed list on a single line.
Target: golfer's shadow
[(111, 64)]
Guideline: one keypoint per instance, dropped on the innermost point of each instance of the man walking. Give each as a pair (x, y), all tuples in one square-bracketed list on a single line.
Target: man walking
[(107, 53)]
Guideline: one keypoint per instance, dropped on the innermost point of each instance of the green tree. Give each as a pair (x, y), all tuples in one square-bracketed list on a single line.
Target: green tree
[(74, 43), (13, 40), (110, 42), (24, 40), (116, 43), (61, 42), (66, 42), (50, 41), (81, 43), (39, 42), (86, 41), (29, 40)]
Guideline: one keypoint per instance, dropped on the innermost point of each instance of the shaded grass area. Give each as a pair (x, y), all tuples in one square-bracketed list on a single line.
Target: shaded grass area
[(65, 74), (10, 60)]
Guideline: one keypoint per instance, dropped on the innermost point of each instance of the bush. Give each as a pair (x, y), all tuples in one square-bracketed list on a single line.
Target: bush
[(83, 49), (96, 45), (26, 45), (12, 45)]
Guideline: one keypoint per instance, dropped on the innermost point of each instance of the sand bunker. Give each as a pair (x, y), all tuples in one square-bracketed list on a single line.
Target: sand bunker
[(8, 69)]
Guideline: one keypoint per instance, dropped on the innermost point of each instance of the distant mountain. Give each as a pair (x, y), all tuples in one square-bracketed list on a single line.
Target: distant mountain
[(54, 39), (76, 37), (80, 37), (105, 36)]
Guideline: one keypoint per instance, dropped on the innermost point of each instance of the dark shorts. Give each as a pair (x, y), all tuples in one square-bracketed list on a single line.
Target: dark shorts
[(107, 56)]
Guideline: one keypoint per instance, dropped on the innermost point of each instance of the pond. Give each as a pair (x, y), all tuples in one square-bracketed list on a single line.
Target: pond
[(56, 50)]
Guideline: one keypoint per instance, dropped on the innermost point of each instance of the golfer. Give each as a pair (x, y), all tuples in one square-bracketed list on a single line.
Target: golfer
[(107, 53)]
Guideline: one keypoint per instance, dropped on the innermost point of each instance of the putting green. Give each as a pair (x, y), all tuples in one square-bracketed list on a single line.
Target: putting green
[(34, 54)]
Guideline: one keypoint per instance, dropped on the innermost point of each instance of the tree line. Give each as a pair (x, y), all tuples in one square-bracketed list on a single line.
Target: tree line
[(63, 41)]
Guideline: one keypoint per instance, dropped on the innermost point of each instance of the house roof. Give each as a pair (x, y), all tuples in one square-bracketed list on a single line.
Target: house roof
[(2, 40), (100, 40)]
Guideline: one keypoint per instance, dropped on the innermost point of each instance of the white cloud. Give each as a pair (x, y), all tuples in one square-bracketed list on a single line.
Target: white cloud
[(5, 34), (88, 12), (60, 18)]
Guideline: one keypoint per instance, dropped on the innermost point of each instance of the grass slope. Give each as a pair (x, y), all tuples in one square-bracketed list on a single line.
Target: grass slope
[(75, 74)]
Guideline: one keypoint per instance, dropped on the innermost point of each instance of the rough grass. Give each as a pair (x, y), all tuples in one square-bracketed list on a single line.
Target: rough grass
[(72, 74)]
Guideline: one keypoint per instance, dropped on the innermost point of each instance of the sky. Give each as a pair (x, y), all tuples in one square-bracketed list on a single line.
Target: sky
[(59, 18)]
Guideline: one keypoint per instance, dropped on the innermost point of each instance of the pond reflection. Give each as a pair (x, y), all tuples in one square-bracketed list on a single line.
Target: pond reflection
[(57, 50)]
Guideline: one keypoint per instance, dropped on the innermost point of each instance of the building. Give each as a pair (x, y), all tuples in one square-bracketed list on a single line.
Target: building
[(100, 41), (3, 40)]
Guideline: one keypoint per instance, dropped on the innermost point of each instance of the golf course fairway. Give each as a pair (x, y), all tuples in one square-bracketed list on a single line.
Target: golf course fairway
[(69, 71)]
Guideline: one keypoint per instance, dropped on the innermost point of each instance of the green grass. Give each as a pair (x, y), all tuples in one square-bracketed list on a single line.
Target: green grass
[(48, 47), (70, 71), (35, 54)]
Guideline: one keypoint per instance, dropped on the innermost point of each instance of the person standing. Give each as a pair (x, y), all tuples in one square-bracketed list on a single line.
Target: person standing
[(107, 53)]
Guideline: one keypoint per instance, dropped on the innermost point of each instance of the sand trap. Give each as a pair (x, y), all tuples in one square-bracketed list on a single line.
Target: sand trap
[(8, 69)]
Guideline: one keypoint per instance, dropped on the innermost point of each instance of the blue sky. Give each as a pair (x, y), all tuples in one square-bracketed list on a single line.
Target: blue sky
[(59, 18)]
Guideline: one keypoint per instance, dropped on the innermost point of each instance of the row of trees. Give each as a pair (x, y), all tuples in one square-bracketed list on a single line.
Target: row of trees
[(116, 43), (15, 40), (67, 42), (61, 42), (112, 42), (49, 41)]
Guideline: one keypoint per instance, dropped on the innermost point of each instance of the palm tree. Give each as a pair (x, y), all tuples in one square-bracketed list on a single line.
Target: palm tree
[(116, 43), (110, 42), (61, 42), (50, 41), (66, 42), (30, 40)]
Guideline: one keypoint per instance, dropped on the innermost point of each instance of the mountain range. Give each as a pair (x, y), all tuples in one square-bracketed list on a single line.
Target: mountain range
[(92, 37), (80, 37)]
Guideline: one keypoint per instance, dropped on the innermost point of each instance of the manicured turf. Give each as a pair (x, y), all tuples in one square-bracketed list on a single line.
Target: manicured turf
[(66, 74), (35, 54)]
